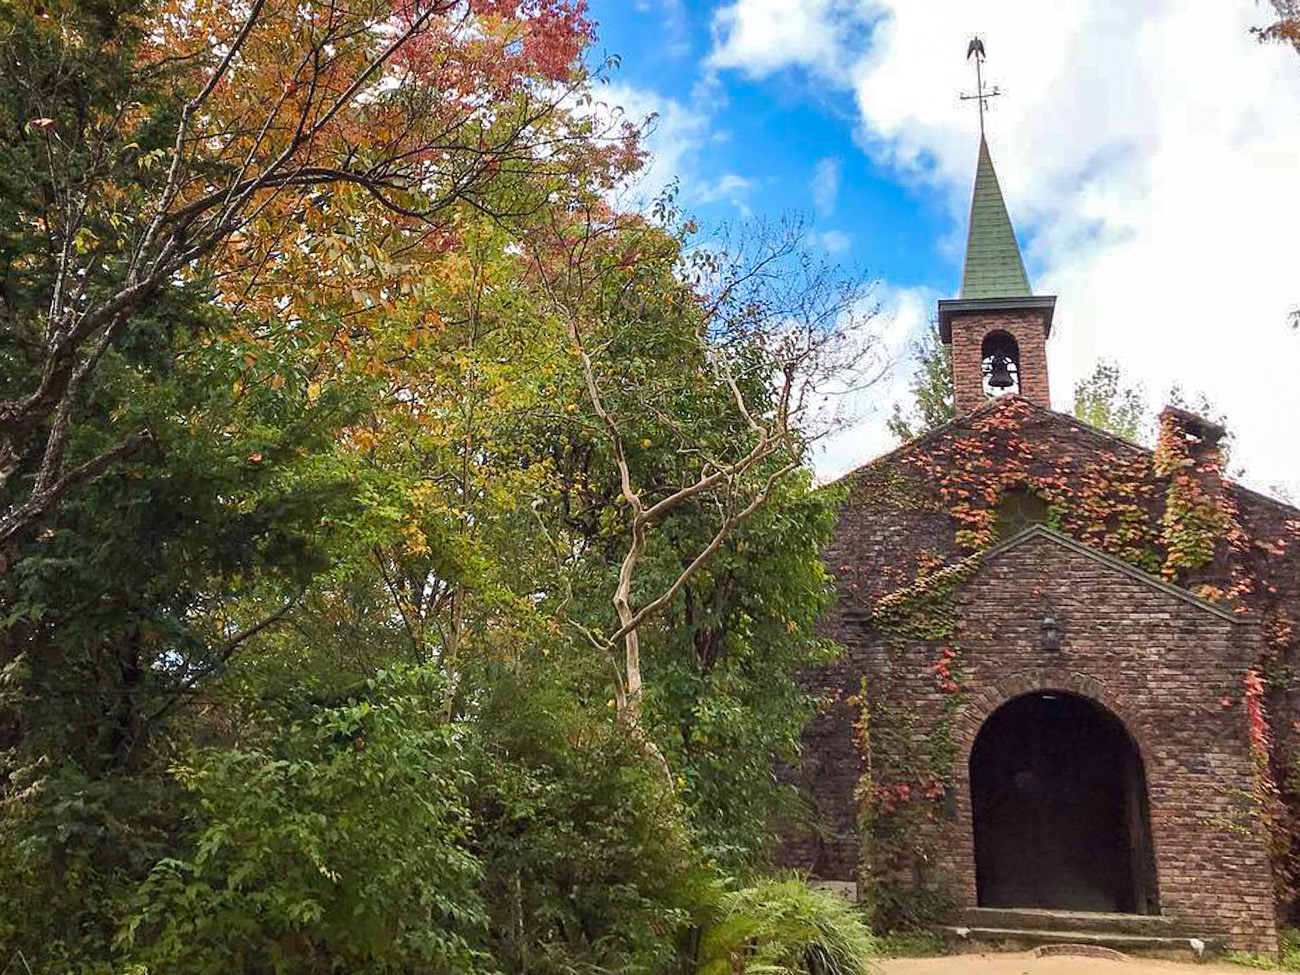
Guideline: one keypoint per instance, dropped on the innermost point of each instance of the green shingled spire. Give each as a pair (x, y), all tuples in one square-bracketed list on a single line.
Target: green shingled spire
[(993, 265)]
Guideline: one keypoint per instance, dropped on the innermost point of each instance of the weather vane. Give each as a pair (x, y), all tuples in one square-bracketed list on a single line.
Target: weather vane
[(976, 50)]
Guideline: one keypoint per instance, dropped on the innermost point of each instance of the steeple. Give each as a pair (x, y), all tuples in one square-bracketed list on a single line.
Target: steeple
[(993, 267), (998, 327)]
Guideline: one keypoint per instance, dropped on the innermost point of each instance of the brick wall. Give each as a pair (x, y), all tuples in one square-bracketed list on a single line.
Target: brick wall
[(968, 332), (1161, 664), (1169, 670), (1173, 673)]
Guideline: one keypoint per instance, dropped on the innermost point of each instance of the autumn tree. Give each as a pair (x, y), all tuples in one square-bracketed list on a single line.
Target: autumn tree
[(362, 454), (205, 251), (208, 271), (147, 147)]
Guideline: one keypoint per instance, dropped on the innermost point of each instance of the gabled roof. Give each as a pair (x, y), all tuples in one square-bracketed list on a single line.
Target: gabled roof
[(994, 268), (1101, 437), (1104, 440), (993, 406), (1036, 532)]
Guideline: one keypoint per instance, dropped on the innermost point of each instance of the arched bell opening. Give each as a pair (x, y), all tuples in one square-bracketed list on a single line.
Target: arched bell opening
[(1059, 808), (1000, 361)]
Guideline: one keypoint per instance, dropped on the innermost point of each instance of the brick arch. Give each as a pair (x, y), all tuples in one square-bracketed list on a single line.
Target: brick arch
[(1000, 340), (986, 700), (992, 696)]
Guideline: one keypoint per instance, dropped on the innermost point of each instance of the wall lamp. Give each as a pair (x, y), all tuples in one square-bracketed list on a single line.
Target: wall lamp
[(1051, 631)]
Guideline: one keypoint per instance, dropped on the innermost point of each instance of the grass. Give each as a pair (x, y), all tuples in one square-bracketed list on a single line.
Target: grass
[(1288, 955), (913, 943)]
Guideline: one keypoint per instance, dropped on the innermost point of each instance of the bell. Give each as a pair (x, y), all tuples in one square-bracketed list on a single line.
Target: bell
[(1000, 375)]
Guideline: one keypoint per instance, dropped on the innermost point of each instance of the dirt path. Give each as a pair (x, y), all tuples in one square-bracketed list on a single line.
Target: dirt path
[(1024, 963)]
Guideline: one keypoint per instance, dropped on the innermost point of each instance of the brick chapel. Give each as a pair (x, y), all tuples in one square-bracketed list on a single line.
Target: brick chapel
[(1065, 709)]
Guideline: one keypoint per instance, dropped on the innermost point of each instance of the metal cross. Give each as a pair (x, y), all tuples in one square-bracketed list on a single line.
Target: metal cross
[(976, 50)]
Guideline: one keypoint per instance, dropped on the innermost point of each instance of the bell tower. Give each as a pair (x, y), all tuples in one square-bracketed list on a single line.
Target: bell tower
[(998, 328)]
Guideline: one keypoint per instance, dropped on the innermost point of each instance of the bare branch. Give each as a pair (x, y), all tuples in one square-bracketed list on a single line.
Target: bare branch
[(702, 558)]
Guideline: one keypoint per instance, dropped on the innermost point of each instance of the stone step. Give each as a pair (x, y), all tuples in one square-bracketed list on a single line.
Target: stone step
[(1048, 919), (1022, 938)]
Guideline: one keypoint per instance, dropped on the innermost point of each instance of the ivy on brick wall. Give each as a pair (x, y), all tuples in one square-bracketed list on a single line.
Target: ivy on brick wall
[(1195, 517), (1170, 512), (901, 796), (899, 804), (925, 610)]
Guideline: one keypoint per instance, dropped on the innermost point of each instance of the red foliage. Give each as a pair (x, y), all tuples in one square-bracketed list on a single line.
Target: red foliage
[(491, 48), (1257, 718), (947, 682)]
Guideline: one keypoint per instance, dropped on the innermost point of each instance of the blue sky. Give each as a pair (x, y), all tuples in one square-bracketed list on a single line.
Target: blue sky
[(1154, 190), (779, 134)]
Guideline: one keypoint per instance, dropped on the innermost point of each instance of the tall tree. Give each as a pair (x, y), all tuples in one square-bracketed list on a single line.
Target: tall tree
[(148, 145), (759, 329), (1106, 401), (933, 403)]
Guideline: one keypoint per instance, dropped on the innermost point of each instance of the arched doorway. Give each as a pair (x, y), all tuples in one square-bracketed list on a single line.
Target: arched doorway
[(1059, 803)]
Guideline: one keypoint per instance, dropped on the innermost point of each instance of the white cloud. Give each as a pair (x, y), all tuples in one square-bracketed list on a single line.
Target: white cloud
[(825, 185), (1157, 190), (761, 36), (677, 137), (730, 187), (859, 417), (674, 137), (832, 241)]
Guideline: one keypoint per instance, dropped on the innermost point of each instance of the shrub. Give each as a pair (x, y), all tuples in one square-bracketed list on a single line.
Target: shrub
[(340, 842), (785, 927), (587, 865)]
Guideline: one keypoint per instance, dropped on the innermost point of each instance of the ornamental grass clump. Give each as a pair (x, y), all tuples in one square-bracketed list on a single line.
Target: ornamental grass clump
[(785, 927)]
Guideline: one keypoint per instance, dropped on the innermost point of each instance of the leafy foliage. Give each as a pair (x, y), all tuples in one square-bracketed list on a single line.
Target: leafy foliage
[(1105, 401), (723, 698), (245, 148), (784, 927), (333, 371), (337, 836), (587, 859), (934, 402)]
